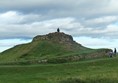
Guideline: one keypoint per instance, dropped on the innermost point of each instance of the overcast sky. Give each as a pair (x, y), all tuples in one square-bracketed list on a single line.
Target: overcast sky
[(93, 23)]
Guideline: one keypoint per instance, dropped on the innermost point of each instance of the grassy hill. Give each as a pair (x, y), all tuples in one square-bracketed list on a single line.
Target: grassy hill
[(53, 48), (103, 70), (80, 67)]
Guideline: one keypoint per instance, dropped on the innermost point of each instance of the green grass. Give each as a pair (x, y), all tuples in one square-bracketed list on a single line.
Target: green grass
[(35, 50), (90, 71), (48, 50)]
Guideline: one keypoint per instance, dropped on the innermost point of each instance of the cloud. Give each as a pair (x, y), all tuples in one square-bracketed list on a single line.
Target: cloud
[(14, 17), (97, 42), (60, 8), (18, 25), (101, 21)]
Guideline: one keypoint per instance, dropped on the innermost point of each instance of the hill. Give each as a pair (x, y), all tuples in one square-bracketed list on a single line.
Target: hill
[(54, 47)]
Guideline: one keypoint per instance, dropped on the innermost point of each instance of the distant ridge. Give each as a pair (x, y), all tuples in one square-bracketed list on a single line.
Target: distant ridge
[(52, 47)]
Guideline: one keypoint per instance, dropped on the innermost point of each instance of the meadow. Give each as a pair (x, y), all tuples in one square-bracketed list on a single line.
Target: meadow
[(104, 70)]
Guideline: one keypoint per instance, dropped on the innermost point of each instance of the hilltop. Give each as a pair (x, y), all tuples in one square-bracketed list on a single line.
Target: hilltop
[(56, 47)]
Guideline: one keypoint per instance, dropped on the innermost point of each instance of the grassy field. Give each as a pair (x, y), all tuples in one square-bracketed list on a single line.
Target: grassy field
[(90, 71)]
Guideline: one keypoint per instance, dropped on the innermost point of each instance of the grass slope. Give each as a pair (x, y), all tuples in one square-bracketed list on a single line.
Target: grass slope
[(90, 71), (47, 50), (37, 50)]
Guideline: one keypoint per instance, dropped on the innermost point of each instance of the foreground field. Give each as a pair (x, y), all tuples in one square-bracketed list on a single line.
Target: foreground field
[(90, 71)]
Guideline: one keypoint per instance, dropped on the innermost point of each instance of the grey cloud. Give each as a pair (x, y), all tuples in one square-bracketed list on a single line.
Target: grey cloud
[(14, 17), (68, 25), (60, 8), (75, 17), (101, 22), (33, 29)]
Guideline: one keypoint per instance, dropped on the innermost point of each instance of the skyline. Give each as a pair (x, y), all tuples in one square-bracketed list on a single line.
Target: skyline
[(92, 23)]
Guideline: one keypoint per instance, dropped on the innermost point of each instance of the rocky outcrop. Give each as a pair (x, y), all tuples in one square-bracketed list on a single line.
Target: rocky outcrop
[(58, 37)]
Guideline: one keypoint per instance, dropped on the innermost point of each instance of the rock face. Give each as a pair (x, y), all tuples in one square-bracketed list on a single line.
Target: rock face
[(59, 37)]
